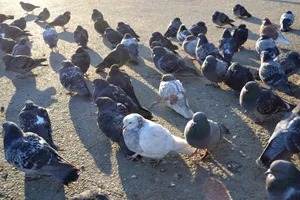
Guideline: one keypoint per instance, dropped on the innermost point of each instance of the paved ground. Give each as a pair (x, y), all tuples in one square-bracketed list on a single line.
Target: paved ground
[(75, 130)]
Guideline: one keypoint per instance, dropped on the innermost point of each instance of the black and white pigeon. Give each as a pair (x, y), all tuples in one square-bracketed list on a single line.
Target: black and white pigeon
[(32, 155), (93, 194), (204, 49), (22, 64), (51, 37), (221, 19), (169, 63), (203, 133), (81, 37), (182, 33), (7, 45), (22, 48), (265, 43), (214, 69), (284, 141), (289, 61), (125, 28), (262, 102), (282, 181), (20, 23), (240, 11), (113, 36), (81, 58), (102, 88), (157, 36), (240, 35), (100, 25), (28, 7), (120, 56), (198, 28), (13, 32), (237, 76), (189, 46), (286, 20), (43, 16), (4, 17), (97, 15), (35, 119), (227, 44), (272, 74), (61, 20), (72, 79), (173, 28), (132, 45)]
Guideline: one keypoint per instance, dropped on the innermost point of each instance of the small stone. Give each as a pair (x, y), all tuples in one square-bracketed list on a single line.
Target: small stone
[(163, 170), (234, 136), (105, 155), (225, 116), (133, 176), (173, 184)]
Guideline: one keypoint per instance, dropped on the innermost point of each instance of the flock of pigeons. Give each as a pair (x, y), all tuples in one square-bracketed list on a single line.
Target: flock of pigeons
[(121, 117)]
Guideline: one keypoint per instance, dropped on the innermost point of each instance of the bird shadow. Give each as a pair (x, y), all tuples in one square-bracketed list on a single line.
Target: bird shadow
[(282, 1), (41, 24), (247, 57), (30, 17), (145, 52), (107, 43), (252, 35), (253, 20), (55, 60), (66, 36), (95, 57)]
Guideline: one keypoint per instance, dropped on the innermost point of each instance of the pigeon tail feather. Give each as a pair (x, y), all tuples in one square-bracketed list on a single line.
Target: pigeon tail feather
[(64, 172), (181, 146)]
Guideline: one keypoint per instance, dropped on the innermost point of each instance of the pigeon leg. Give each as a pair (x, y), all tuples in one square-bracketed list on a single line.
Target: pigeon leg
[(194, 153), (70, 93), (155, 103), (65, 28), (204, 155), (131, 158), (32, 177), (86, 75), (155, 162), (215, 85)]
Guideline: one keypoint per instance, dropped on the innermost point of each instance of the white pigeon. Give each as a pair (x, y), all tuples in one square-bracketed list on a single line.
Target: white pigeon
[(174, 95), (149, 139)]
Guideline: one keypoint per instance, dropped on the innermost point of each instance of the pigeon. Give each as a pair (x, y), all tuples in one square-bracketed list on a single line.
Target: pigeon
[(149, 139), (189, 46), (113, 36), (240, 11), (13, 32), (157, 36), (122, 80), (120, 56), (21, 64), (97, 15), (22, 48), (110, 120), (182, 33), (221, 19), (262, 102), (272, 74), (81, 37), (7, 45), (125, 28), (204, 49), (102, 88), (203, 133), (284, 141), (35, 119), (132, 45), (198, 28), (237, 76), (271, 30), (31, 154), (240, 35), (282, 181), (72, 79), (158, 44), (174, 95), (4, 17), (100, 25), (50, 37), (81, 58), (286, 20), (43, 16), (93, 194), (61, 20), (227, 44), (214, 69), (20, 23), (265, 43), (173, 28), (169, 63), (289, 61), (28, 7)]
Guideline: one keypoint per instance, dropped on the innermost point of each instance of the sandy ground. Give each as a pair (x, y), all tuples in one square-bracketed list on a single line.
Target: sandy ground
[(230, 173)]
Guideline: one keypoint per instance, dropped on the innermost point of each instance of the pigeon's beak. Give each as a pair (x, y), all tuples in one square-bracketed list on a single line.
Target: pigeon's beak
[(268, 172), (124, 127)]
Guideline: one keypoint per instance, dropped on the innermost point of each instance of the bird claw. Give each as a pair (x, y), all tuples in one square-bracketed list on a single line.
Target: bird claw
[(132, 158), (204, 155), (70, 93), (155, 162)]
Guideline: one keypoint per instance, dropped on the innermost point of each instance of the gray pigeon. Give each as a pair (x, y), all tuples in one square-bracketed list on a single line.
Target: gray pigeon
[(169, 63), (284, 141), (103, 89), (13, 32), (214, 69), (4, 17), (189, 45), (120, 56), (125, 28), (81, 37), (22, 48), (81, 58), (240, 11), (20, 23), (97, 15), (72, 79), (43, 16), (203, 133), (51, 37), (157, 36), (289, 61), (7, 45), (100, 25), (240, 35), (265, 43), (132, 45), (28, 7), (228, 45), (282, 181), (198, 28), (113, 36), (262, 102), (272, 74), (35, 119), (31, 154), (237, 76), (61, 20), (286, 20), (221, 19), (93, 194), (173, 28), (182, 33)]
